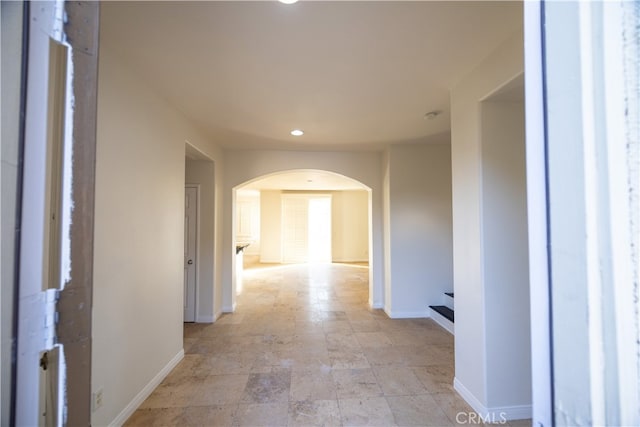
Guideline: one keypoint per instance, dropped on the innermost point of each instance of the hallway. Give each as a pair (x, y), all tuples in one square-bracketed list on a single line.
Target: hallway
[(303, 349)]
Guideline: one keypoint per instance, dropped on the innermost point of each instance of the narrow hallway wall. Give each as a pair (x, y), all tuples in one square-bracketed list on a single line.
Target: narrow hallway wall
[(139, 238)]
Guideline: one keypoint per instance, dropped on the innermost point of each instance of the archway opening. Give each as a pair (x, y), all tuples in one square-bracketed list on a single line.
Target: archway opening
[(301, 216)]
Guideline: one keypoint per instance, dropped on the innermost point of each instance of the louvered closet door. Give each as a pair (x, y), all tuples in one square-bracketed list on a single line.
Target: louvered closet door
[(295, 222)]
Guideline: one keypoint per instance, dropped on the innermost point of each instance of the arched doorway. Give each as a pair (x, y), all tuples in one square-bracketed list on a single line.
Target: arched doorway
[(301, 215)]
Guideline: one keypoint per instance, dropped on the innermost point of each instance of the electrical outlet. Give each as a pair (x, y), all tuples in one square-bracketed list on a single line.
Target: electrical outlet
[(97, 400)]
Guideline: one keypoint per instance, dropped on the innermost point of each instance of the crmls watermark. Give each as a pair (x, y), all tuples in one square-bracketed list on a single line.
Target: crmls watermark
[(474, 418)]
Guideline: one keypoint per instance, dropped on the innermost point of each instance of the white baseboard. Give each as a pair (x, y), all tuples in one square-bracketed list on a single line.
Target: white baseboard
[(442, 321), (375, 305), (217, 315), (146, 391), (497, 415), (205, 319), (349, 260), (228, 309), (406, 314)]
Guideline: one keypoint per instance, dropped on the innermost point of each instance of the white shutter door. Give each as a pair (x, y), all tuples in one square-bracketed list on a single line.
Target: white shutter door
[(295, 213)]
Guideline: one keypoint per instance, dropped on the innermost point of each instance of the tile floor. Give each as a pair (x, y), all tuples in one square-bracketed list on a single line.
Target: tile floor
[(304, 349)]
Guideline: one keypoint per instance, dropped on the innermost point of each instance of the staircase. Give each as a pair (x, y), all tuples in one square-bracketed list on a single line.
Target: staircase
[(443, 314)]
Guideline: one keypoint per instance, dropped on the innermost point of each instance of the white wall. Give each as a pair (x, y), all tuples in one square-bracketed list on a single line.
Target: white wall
[(270, 226), (472, 328), (203, 173), (249, 202), (506, 255), (244, 166), (350, 226), (420, 241), (138, 258)]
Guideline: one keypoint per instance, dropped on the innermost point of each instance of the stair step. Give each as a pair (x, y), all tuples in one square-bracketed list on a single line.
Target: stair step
[(449, 294), (443, 310)]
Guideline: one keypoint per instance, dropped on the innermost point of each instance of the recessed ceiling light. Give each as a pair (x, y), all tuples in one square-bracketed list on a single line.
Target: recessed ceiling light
[(297, 132), (288, 1)]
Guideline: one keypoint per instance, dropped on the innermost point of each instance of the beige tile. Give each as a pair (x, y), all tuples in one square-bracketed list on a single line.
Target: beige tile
[(174, 395), (352, 383), (372, 411), (156, 417), (305, 360), (398, 381), (309, 338), (268, 388), (440, 355), (188, 367), (312, 385), (436, 378), (365, 326), (383, 356), (414, 355), (219, 390), (194, 330), (404, 336), (230, 363), (301, 338), (336, 326), (230, 319), (438, 336), (453, 406), (262, 414), (202, 346), (417, 410), (209, 416), (306, 327), (354, 359), (188, 343), (372, 339), (360, 315), (342, 342), (314, 413)]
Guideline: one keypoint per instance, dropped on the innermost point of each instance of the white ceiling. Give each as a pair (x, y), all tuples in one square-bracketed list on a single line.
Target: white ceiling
[(352, 75)]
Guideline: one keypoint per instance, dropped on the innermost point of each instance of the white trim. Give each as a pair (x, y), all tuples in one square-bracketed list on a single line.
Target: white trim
[(442, 321), (407, 314), (375, 305), (217, 315), (146, 391), (197, 284), (349, 260), (205, 319), (537, 217), (227, 309), (506, 413)]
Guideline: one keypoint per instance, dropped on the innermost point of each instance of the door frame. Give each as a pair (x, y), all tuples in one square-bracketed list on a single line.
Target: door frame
[(68, 316), (197, 256)]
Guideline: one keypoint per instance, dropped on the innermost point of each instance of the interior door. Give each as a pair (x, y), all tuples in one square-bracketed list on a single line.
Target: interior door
[(190, 251)]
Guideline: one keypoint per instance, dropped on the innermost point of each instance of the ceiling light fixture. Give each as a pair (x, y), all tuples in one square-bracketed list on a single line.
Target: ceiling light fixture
[(288, 1), (432, 114), (297, 132)]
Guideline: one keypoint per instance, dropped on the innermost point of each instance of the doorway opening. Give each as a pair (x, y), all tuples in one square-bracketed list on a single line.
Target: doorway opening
[(306, 228), (319, 226), (199, 236), (300, 216)]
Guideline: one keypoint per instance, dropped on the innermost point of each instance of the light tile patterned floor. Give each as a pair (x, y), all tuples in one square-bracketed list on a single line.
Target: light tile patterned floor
[(304, 349)]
